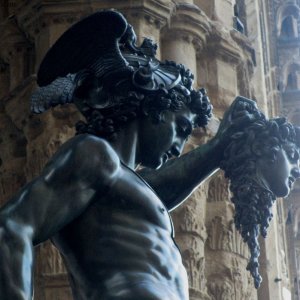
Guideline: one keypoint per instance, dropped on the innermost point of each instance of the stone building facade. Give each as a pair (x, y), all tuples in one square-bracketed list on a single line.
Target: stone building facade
[(234, 47)]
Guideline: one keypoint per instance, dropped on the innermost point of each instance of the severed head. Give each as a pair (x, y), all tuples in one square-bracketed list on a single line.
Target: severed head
[(262, 163)]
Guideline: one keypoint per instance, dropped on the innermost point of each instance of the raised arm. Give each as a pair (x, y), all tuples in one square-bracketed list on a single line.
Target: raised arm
[(177, 179), (81, 168)]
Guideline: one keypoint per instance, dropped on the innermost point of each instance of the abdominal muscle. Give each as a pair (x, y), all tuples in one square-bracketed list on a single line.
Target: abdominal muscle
[(117, 254)]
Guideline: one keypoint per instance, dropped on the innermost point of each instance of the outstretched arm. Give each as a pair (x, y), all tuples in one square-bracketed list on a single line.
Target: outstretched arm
[(81, 168), (177, 179)]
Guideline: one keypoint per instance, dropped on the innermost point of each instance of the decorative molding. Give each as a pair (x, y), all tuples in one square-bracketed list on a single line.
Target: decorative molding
[(218, 189), (156, 13), (225, 237), (36, 15), (194, 265), (231, 281), (220, 289), (191, 223)]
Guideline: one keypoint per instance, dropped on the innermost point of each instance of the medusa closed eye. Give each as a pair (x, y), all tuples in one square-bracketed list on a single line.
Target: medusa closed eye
[(292, 153)]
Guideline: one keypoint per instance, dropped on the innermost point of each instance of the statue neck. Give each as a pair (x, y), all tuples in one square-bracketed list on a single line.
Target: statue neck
[(125, 144)]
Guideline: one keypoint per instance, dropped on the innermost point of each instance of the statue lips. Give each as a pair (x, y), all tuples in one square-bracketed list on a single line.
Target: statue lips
[(291, 181), (165, 158), (169, 154), (173, 152)]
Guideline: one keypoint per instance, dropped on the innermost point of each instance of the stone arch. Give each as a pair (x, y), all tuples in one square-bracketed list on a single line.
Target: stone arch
[(291, 76), (287, 19)]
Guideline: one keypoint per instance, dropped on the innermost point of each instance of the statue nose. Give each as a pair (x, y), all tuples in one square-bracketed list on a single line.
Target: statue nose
[(295, 172), (176, 150)]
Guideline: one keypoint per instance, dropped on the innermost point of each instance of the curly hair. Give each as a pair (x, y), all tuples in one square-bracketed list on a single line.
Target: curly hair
[(126, 102), (252, 200)]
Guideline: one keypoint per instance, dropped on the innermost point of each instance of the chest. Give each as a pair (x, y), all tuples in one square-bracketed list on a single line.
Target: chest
[(134, 198)]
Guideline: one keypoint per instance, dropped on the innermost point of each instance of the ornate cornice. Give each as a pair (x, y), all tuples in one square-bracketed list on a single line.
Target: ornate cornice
[(156, 13), (38, 14)]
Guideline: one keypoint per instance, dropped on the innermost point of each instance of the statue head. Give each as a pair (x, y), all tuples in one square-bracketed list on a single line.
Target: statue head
[(262, 163), (153, 88), (97, 65)]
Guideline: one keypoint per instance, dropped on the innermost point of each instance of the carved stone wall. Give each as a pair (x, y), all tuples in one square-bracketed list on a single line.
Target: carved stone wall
[(200, 34)]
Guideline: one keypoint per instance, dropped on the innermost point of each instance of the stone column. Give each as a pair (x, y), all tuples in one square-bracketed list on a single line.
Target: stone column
[(181, 40), (258, 37), (149, 20), (185, 36), (191, 235), (224, 68), (226, 253), (220, 58)]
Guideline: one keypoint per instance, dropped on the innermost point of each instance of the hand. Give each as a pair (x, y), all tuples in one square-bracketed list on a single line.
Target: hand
[(240, 114)]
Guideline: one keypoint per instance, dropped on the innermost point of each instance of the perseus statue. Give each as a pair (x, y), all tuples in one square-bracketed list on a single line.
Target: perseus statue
[(108, 218)]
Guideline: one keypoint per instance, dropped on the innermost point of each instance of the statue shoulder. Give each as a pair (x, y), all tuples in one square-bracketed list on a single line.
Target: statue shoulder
[(95, 152), (87, 155)]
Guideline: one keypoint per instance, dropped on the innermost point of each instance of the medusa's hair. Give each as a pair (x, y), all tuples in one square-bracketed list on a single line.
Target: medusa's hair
[(252, 201)]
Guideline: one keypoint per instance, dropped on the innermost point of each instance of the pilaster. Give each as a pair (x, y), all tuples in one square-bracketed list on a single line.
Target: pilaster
[(225, 252), (221, 57), (185, 35)]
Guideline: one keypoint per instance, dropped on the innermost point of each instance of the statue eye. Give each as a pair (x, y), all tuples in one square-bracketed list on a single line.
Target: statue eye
[(185, 127)]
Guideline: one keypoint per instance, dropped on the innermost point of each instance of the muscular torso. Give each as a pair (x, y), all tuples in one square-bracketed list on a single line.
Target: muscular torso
[(122, 247)]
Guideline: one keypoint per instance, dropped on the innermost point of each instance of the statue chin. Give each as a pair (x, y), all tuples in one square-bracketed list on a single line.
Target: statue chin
[(282, 192), (279, 190)]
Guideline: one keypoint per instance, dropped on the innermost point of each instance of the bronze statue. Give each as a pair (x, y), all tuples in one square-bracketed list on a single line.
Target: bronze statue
[(111, 223)]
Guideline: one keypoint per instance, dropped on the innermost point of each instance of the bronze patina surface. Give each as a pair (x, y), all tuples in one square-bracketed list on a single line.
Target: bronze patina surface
[(110, 222)]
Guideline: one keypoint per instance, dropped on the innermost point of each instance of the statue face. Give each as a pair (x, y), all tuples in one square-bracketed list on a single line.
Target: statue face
[(279, 175), (159, 142)]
